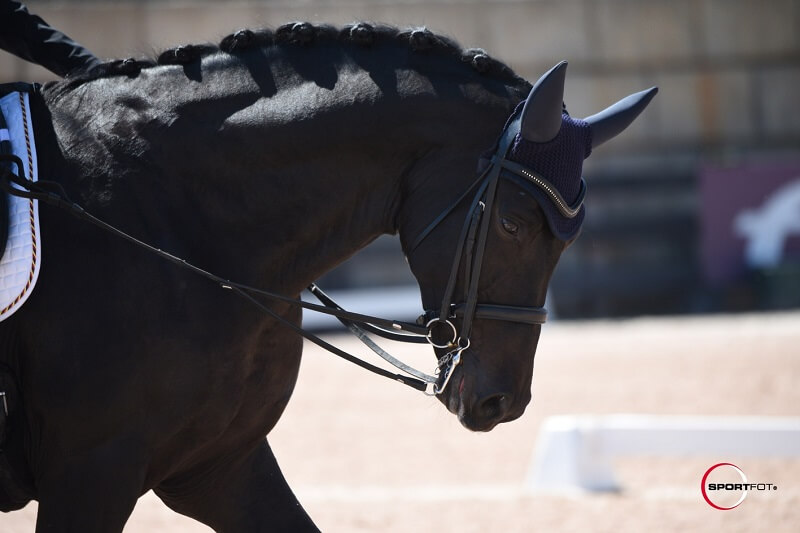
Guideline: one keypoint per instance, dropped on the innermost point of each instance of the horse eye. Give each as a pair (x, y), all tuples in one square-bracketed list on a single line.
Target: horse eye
[(509, 225)]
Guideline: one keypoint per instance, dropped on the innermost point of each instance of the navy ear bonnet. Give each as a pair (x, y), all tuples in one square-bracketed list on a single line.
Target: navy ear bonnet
[(558, 162), (546, 158)]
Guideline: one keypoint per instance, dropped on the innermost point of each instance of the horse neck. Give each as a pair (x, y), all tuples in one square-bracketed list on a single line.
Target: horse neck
[(310, 190), (267, 187)]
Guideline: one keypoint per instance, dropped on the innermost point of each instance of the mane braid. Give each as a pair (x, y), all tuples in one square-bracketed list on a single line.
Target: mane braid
[(363, 34)]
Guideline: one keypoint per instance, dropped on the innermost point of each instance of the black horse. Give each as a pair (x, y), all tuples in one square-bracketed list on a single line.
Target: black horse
[(268, 160)]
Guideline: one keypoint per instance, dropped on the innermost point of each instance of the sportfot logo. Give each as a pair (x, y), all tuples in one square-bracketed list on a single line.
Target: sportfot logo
[(725, 486)]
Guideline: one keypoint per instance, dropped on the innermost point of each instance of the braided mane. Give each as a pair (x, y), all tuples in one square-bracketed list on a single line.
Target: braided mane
[(362, 34)]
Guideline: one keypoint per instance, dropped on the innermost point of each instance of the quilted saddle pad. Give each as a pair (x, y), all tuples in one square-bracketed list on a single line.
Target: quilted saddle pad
[(19, 266)]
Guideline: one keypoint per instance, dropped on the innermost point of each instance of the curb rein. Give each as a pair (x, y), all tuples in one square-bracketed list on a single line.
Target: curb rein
[(475, 227)]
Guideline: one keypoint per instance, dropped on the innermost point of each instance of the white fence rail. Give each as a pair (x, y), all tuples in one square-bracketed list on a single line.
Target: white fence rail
[(577, 452)]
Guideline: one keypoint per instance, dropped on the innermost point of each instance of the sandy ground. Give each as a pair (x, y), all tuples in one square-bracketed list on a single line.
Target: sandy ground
[(365, 454)]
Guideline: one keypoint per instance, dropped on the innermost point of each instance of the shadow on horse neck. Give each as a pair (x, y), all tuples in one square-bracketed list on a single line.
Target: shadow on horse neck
[(295, 155)]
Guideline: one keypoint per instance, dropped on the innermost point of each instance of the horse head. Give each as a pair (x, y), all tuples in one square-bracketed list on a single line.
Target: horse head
[(485, 310)]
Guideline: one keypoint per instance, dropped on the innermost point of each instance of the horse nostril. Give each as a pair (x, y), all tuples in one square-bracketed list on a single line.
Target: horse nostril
[(495, 407)]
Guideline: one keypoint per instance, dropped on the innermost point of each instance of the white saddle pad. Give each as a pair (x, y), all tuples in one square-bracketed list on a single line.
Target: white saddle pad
[(19, 267)]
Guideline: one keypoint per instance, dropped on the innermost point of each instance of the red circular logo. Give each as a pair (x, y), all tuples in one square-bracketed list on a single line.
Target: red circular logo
[(716, 494)]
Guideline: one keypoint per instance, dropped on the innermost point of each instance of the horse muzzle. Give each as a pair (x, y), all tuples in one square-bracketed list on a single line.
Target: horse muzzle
[(481, 410)]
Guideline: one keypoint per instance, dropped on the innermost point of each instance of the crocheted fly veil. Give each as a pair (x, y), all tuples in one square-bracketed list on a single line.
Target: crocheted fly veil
[(552, 145)]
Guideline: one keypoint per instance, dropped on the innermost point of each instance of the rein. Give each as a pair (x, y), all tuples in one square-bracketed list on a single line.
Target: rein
[(471, 244)]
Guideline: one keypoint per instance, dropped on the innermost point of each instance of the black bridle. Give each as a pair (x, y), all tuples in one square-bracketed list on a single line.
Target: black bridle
[(471, 247)]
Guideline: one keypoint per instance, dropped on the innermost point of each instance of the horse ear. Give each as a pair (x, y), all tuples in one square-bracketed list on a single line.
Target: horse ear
[(541, 115), (610, 122)]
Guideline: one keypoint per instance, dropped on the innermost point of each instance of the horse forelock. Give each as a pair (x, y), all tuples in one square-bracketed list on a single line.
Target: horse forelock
[(304, 34)]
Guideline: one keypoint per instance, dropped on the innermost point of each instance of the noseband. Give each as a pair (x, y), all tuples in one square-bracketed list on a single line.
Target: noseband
[(471, 246)]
